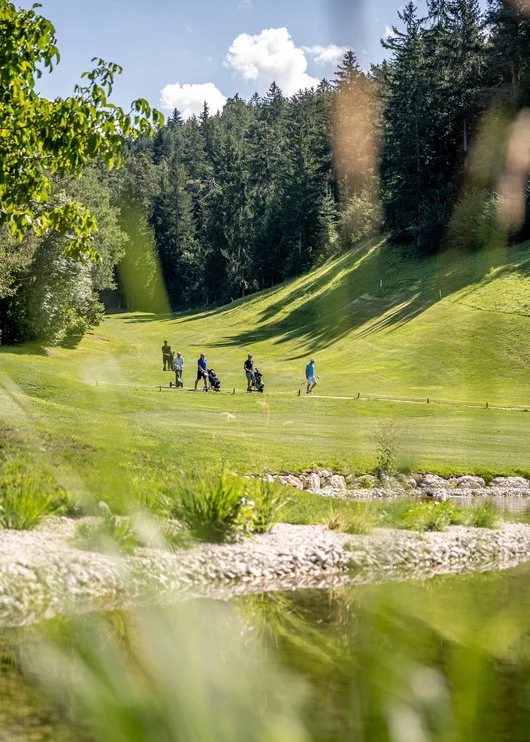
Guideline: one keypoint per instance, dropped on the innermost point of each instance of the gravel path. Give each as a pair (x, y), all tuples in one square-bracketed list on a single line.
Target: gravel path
[(42, 576)]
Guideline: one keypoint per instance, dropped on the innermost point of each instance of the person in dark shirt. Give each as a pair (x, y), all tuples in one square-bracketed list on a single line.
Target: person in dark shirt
[(201, 372), (167, 356), (248, 367)]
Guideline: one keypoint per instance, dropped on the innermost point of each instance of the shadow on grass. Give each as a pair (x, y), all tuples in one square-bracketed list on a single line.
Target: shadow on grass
[(369, 291), (32, 349)]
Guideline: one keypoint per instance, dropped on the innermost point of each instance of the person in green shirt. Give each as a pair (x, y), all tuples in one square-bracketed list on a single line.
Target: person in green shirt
[(167, 357)]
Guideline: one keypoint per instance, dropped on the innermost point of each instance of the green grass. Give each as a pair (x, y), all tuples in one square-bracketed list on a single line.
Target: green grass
[(347, 516), (124, 440)]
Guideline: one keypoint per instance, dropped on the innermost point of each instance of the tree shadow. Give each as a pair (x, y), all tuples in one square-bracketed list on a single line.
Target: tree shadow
[(71, 342), (365, 293), (32, 349)]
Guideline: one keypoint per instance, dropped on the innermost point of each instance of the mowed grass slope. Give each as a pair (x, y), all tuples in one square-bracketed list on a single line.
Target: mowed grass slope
[(451, 327)]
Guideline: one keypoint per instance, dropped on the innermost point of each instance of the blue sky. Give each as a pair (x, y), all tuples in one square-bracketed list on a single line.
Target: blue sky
[(181, 46)]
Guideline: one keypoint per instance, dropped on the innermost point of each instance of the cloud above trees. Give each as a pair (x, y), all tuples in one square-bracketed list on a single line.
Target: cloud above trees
[(259, 60), (270, 56), (324, 55), (190, 99)]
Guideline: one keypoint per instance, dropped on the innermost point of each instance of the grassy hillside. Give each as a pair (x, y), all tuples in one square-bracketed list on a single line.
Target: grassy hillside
[(397, 339)]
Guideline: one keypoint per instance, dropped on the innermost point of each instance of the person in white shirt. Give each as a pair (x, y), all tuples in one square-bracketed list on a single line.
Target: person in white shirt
[(178, 365)]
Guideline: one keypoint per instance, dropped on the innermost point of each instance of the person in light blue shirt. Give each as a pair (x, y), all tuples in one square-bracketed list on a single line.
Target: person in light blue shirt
[(310, 375)]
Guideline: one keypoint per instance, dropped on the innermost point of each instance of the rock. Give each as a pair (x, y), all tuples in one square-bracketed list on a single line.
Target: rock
[(291, 480), (337, 482), (433, 481), (516, 483), (470, 482), (269, 478), (313, 482), (324, 474), (350, 479)]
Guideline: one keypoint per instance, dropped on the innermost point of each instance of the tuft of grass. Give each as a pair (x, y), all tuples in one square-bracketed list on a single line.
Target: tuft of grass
[(267, 502), (26, 500), (210, 507), (485, 516), (359, 520), (107, 534), (220, 507)]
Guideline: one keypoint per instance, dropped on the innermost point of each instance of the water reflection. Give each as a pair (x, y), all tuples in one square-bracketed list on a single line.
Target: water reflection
[(444, 660)]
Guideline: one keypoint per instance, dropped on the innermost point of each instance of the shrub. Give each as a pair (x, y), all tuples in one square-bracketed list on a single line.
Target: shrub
[(26, 500), (485, 516)]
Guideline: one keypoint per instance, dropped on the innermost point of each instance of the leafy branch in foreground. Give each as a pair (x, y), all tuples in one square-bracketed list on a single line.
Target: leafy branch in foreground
[(40, 137)]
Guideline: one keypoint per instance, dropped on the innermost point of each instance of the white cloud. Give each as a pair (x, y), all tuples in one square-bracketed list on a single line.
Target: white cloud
[(331, 54), (389, 32), (190, 99), (245, 5), (270, 56)]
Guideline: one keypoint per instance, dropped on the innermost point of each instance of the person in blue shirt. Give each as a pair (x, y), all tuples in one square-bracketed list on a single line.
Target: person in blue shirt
[(201, 372), (311, 376)]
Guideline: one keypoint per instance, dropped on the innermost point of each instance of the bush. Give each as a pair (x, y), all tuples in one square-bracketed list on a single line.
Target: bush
[(25, 500)]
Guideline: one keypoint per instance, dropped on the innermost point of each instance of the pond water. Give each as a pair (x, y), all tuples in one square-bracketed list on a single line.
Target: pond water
[(446, 659)]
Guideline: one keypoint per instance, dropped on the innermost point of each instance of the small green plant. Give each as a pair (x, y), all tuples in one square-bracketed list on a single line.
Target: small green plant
[(26, 500), (433, 518), (334, 520), (387, 449), (210, 507), (108, 533), (485, 516), (360, 520), (360, 523)]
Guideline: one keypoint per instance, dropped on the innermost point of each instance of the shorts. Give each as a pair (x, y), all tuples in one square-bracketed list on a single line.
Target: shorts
[(201, 375), (250, 376), (312, 380)]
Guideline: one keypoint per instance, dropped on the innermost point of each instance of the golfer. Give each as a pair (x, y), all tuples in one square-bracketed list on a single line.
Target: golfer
[(311, 376), (167, 356), (201, 372), (178, 365), (248, 368)]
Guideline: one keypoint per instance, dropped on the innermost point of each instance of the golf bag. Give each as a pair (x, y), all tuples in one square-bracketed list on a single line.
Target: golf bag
[(259, 386), (178, 378), (215, 383)]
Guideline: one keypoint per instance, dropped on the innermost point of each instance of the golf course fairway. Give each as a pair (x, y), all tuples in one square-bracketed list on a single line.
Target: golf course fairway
[(453, 329)]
